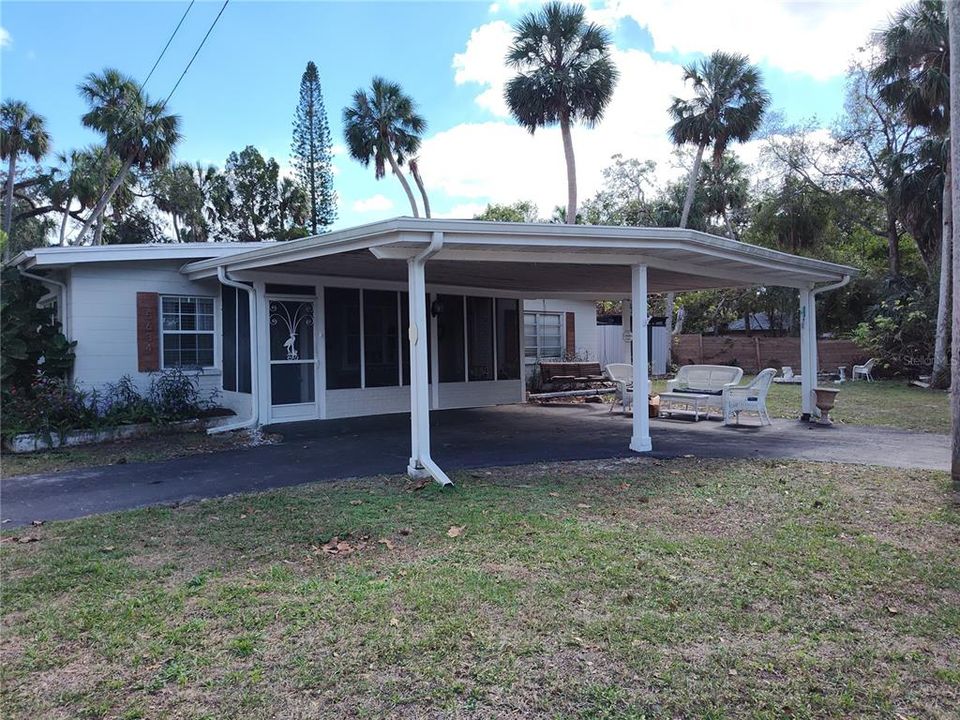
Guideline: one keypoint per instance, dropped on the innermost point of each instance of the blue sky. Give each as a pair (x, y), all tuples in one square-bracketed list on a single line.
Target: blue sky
[(243, 87)]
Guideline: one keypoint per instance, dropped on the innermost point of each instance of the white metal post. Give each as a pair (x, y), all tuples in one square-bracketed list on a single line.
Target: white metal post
[(419, 381), (808, 352), (640, 442), (421, 464)]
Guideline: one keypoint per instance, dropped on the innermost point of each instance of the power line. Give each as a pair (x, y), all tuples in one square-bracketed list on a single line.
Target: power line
[(126, 109), (170, 40), (163, 105), (199, 48)]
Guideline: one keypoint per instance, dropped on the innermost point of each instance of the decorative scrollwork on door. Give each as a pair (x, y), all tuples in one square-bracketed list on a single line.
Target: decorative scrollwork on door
[(302, 315)]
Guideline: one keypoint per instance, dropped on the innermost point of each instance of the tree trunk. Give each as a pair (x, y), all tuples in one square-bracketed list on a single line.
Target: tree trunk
[(571, 170), (403, 181), (415, 169), (63, 223), (98, 235), (940, 376), (105, 198), (953, 25), (893, 242), (692, 185), (8, 197), (729, 225), (313, 165), (176, 227), (684, 217)]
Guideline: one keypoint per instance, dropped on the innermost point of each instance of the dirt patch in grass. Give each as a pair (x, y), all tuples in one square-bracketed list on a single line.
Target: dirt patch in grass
[(633, 588), (161, 446)]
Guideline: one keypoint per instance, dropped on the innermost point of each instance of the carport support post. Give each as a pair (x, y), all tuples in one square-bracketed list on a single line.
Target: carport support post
[(421, 464), (640, 442), (808, 351), (419, 381)]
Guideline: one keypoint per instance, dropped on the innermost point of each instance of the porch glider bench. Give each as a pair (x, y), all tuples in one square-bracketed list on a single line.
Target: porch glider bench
[(575, 374), (698, 389)]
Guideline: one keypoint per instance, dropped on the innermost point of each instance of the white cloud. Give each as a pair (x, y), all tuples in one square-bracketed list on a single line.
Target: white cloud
[(375, 203), (817, 38), (5, 39), (483, 62), (463, 211), (497, 161)]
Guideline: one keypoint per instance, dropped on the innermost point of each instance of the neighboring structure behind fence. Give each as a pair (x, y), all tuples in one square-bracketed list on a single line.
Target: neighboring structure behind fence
[(611, 347), (758, 352)]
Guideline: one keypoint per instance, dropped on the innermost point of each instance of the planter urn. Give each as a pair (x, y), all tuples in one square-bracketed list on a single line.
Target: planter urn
[(825, 399)]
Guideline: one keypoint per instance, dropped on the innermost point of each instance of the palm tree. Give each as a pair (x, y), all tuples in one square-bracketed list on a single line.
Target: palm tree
[(136, 130), (22, 132), (914, 78), (727, 106), (414, 165), (383, 126), (726, 188), (565, 75)]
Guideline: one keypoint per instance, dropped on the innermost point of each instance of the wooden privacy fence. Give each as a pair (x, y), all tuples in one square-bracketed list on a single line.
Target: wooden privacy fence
[(758, 352)]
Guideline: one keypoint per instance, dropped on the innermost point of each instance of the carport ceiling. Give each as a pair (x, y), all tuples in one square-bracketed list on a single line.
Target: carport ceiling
[(533, 277)]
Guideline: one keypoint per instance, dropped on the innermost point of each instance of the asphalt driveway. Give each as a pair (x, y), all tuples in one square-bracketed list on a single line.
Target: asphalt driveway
[(508, 435)]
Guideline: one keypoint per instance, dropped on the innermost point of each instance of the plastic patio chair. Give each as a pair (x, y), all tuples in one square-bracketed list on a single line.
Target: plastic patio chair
[(865, 371), (621, 375), (751, 397)]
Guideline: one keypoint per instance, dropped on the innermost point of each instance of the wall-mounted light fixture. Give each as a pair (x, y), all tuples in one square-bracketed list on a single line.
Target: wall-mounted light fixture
[(436, 307)]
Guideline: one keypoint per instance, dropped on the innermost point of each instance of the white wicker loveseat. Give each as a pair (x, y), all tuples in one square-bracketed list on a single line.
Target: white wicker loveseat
[(699, 386)]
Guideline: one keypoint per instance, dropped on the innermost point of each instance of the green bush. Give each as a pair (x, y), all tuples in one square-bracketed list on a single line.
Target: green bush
[(49, 406), (30, 337), (900, 334)]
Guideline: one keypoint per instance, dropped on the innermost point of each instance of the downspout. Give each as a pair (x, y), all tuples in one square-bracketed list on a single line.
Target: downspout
[(423, 451), (815, 359), (61, 290), (254, 418), (835, 286)]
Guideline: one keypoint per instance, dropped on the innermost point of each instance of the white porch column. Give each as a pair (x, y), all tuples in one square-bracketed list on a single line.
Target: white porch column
[(808, 351), (421, 464), (419, 380), (640, 442)]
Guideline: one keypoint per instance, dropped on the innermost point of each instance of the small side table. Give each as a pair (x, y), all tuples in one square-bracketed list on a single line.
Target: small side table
[(693, 404)]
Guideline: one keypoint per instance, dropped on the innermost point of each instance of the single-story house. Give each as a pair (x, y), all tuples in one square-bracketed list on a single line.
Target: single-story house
[(403, 315), (558, 329)]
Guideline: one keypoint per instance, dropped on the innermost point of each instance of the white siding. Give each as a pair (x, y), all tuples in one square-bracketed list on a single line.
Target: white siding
[(585, 322), (103, 310)]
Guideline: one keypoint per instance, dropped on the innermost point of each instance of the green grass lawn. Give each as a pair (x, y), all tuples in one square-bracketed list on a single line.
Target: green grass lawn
[(886, 403), (615, 589)]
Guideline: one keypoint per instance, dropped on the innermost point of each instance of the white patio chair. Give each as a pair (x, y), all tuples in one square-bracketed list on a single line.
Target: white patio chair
[(865, 371), (751, 397), (621, 375)]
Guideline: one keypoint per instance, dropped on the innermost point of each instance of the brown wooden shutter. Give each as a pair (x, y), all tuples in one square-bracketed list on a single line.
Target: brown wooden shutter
[(571, 334), (148, 331)]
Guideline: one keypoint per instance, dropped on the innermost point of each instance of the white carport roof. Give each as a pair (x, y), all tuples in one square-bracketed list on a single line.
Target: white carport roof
[(533, 259)]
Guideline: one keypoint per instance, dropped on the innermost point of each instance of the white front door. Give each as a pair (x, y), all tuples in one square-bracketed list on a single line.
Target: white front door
[(293, 358)]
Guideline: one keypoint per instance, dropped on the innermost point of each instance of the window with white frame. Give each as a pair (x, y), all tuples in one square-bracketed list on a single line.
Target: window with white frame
[(187, 336), (542, 336)]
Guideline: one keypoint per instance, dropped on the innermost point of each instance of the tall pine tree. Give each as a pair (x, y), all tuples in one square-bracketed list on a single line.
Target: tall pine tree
[(312, 152)]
